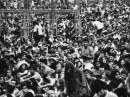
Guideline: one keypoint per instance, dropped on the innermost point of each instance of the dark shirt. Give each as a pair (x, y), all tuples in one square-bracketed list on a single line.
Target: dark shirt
[(115, 83)]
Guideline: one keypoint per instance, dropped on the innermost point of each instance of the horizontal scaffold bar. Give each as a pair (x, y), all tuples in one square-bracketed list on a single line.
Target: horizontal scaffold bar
[(39, 11)]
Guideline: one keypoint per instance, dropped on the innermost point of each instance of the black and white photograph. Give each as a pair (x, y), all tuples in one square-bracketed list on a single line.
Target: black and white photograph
[(64, 48)]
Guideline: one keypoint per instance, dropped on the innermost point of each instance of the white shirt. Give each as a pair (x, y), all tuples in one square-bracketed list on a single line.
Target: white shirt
[(72, 1), (95, 49), (98, 24), (117, 36), (39, 29), (32, 3), (37, 76), (75, 7), (88, 66), (15, 5), (109, 94)]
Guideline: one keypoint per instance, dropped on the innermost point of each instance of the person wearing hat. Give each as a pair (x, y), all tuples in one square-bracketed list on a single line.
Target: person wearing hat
[(22, 69), (89, 75), (100, 89)]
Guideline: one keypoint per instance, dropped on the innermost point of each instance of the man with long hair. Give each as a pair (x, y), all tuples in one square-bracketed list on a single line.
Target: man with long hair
[(75, 81)]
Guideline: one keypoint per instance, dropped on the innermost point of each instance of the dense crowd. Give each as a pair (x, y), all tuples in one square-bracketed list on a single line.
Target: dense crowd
[(36, 4), (44, 65)]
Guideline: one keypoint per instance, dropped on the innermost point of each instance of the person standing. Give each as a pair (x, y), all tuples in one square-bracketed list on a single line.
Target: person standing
[(75, 81), (38, 32)]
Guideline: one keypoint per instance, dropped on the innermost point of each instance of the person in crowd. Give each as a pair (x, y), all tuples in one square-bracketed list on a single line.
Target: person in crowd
[(35, 75), (101, 89), (116, 81), (14, 83), (9, 77), (105, 76), (25, 89), (74, 81)]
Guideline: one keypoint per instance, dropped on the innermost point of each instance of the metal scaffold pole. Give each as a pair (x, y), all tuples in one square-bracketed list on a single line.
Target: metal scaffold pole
[(0, 23), (24, 26)]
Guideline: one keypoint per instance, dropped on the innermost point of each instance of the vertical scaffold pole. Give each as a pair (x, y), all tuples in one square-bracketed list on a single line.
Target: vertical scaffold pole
[(24, 26), (0, 24)]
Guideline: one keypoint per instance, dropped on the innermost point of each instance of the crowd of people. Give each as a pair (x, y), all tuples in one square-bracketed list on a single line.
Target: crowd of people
[(36, 4), (94, 64)]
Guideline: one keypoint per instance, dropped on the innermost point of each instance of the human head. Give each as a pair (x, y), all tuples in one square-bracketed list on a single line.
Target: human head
[(2, 80), (106, 74), (115, 74), (98, 86), (87, 73), (122, 62), (124, 75), (9, 73), (69, 67), (28, 94), (25, 87), (79, 64), (13, 82), (59, 67), (10, 89), (51, 93)]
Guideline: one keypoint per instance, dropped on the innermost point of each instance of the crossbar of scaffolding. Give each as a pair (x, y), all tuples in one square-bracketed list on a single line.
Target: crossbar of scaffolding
[(39, 11)]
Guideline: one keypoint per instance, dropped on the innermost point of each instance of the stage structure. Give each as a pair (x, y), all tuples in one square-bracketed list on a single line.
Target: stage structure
[(50, 15)]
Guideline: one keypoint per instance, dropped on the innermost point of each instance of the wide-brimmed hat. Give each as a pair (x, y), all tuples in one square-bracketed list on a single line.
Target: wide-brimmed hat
[(20, 63)]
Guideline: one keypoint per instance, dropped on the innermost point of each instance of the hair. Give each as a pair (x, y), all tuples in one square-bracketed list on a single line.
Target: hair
[(20, 68), (79, 49), (15, 81), (28, 94), (9, 70), (1, 89), (121, 92), (34, 67), (25, 84), (62, 65), (113, 73), (9, 95), (70, 77), (61, 82), (97, 85), (2, 75), (43, 61), (77, 64), (10, 88), (124, 72), (76, 58), (34, 84)]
